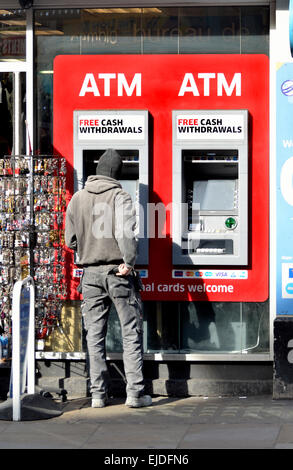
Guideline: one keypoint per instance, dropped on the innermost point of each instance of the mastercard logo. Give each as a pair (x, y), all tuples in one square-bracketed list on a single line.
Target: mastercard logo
[(189, 273)]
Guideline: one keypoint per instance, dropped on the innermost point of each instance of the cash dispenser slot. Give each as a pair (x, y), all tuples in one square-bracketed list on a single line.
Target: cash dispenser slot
[(210, 247)]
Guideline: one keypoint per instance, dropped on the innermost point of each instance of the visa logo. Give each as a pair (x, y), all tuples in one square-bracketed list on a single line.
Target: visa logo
[(222, 274)]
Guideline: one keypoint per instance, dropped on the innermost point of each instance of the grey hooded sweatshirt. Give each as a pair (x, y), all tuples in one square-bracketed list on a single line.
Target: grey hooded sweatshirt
[(100, 223)]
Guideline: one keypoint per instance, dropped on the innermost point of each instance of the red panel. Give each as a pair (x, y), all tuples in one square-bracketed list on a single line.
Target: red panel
[(162, 77)]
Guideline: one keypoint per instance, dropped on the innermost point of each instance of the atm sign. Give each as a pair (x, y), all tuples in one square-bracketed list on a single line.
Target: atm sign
[(99, 127)]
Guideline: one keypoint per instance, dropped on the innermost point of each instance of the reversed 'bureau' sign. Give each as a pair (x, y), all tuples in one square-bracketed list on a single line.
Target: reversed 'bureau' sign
[(106, 126)]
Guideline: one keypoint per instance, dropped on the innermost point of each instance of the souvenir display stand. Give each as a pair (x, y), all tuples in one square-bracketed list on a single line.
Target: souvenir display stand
[(32, 207)]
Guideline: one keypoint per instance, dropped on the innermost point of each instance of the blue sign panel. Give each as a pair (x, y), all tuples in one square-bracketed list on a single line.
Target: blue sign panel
[(284, 202)]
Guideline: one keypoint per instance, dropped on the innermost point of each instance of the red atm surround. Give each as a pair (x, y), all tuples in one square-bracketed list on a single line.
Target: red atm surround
[(161, 80)]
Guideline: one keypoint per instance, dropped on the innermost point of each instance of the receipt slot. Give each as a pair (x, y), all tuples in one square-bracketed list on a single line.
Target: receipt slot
[(210, 187), (127, 132)]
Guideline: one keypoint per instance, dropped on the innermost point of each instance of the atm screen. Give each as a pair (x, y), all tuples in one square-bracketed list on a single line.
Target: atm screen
[(215, 195), (131, 187), (130, 169)]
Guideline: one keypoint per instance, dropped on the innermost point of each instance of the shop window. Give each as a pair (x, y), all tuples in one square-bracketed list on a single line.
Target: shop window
[(6, 112), (196, 30), (12, 34), (199, 328), (224, 327), (213, 30), (162, 334), (12, 117), (185, 327), (160, 31), (255, 318), (254, 30)]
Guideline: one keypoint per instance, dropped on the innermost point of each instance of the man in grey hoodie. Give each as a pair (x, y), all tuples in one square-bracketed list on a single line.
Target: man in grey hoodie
[(100, 227)]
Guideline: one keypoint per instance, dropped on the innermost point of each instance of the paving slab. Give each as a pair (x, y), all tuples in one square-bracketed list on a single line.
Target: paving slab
[(136, 436), (45, 434), (230, 436), (285, 437)]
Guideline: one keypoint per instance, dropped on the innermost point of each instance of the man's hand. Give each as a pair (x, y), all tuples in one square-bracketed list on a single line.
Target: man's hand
[(123, 270)]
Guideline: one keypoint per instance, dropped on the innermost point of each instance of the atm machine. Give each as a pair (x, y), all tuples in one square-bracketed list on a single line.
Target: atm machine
[(210, 187), (126, 132)]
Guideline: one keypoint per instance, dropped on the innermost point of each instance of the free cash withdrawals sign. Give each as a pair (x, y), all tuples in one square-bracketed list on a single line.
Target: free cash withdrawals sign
[(99, 127), (210, 127)]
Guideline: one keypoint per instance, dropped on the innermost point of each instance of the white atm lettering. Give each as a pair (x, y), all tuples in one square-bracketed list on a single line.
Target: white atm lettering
[(90, 85), (189, 84), (102, 84)]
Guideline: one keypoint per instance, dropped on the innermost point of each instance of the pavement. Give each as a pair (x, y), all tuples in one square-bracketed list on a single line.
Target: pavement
[(170, 424)]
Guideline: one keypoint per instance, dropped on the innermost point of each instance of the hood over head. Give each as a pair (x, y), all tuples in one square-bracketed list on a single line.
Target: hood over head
[(99, 184), (110, 164)]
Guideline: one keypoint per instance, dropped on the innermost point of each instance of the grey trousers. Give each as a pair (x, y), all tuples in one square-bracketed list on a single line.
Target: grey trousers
[(99, 288)]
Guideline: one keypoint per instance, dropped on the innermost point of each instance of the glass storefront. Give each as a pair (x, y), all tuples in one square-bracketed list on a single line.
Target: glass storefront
[(12, 112), (12, 35), (175, 327), (197, 30), (200, 327)]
